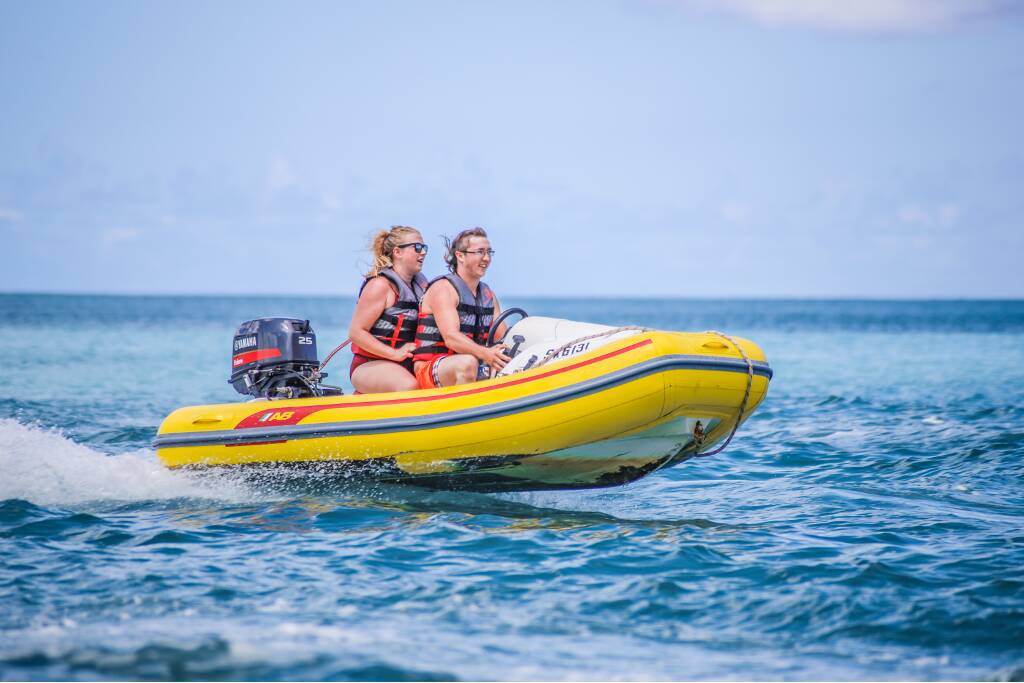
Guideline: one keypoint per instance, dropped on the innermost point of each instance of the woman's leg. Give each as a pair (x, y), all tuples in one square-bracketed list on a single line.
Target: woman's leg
[(379, 376)]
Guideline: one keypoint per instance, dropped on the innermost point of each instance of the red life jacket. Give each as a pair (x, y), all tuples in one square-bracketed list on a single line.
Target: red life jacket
[(397, 323), (475, 315)]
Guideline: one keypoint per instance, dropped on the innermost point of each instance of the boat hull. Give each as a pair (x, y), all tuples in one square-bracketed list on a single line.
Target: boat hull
[(602, 418)]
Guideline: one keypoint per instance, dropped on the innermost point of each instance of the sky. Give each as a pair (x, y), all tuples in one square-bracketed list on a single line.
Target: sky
[(665, 148)]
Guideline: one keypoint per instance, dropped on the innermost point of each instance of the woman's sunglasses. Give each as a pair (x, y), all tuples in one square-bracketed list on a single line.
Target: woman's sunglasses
[(418, 246)]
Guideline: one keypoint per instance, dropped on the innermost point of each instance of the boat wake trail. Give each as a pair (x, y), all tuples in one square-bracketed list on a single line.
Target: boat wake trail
[(46, 468)]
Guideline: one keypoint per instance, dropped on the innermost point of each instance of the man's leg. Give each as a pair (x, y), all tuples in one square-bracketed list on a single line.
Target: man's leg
[(458, 369)]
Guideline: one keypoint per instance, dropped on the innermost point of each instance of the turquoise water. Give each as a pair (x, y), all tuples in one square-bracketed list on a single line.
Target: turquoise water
[(866, 523)]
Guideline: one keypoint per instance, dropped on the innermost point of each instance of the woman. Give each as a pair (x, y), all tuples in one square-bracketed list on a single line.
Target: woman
[(383, 328)]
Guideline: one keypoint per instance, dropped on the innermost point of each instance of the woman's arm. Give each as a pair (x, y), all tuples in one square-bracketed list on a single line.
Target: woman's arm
[(376, 296)]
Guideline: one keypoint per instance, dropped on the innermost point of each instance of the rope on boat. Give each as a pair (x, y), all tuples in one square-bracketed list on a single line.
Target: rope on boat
[(739, 347), (630, 328), (607, 333), (337, 348), (743, 403)]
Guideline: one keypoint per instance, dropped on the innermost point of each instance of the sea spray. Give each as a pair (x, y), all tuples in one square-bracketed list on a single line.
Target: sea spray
[(44, 467)]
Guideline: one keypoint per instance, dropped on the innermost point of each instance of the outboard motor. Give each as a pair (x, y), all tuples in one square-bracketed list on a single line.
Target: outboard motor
[(276, 358)]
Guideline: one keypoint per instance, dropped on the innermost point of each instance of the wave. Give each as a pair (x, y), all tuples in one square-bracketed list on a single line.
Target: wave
[(44, 467)]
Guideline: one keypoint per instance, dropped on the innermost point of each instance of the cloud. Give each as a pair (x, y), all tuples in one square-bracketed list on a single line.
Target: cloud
[(330, 201), (9, 215), (735, 213), (114, 236), (281, 175), (862, 15), (942, 215)]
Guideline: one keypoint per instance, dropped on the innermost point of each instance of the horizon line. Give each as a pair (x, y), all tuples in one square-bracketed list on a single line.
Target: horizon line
[(580, 297)]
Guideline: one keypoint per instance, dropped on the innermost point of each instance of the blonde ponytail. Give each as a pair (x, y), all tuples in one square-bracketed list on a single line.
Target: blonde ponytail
[(383, 243)]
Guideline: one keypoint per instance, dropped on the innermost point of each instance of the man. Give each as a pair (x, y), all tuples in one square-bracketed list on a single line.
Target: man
[(455, 316)]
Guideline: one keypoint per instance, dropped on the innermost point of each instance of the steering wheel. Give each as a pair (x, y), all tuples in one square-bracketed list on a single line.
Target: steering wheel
[(496, 323)]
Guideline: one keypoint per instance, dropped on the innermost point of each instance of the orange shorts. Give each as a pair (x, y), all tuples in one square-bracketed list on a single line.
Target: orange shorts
[(426, 373)]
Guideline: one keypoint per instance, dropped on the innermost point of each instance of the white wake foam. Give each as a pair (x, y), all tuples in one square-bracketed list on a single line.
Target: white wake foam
[(46, 468)]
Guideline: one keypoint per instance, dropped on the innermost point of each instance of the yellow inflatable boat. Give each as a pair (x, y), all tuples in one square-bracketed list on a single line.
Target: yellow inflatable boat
[(605, 408)]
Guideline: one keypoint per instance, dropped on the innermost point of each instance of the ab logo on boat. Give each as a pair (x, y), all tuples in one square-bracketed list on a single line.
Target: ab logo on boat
[(277, 416)]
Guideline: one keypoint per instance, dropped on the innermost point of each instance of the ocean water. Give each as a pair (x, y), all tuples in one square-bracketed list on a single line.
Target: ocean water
[(866, 523)]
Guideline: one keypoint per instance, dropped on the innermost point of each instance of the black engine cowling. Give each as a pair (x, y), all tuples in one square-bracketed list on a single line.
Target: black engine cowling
[(276, 358)]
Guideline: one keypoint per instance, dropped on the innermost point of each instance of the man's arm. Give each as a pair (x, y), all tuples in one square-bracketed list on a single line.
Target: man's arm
[(502, 328), (444, 301)]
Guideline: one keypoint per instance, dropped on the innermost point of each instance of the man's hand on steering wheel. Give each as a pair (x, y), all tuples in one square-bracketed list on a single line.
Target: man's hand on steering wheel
[(495, 357)]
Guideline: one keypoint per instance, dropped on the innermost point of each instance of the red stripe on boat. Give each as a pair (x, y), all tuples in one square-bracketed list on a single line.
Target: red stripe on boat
[(280, 417)]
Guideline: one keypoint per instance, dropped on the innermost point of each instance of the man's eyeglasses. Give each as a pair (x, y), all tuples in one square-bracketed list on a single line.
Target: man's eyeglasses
[(418, 246), (479, 252)]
